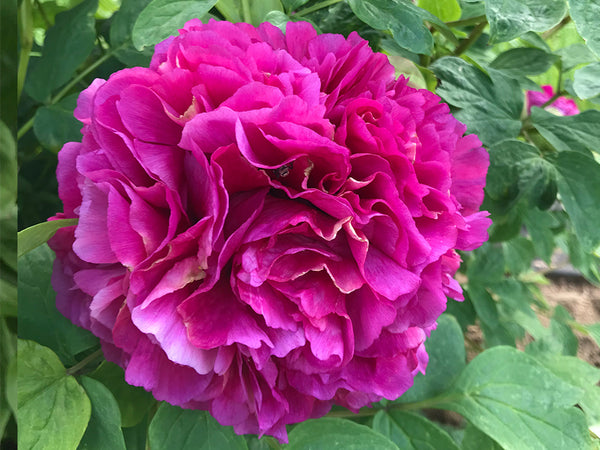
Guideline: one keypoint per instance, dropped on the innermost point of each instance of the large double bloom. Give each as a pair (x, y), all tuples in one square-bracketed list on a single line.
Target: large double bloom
[(267, 222)]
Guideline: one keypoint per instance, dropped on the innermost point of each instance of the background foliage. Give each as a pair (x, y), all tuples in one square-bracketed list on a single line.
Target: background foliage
[(543, 192)]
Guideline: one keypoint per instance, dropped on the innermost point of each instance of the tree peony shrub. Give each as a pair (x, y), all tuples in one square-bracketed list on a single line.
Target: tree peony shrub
[(268, 223), (562, 106)]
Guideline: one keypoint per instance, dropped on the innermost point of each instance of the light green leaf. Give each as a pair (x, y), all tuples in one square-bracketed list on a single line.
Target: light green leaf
[(490, 106), (185, 429), (162, 18), (594, 332), (133, 401), (292, 5), (104, 428), (67, 45), (336, 434), (38, 234), (447, 357), (446, 10), (37, 309), (585, 14), (53, 408), (256, 13), (575, 54), (514, 399), (580, 133), (587, 81), (511, 18), (524, 61), (412, 432), (579, 188), (514, 307)]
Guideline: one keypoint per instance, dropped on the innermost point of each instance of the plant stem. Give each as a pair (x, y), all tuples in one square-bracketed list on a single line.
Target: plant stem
[(471, 39), (247, 16), (26, 23), (316, 7), (467, 22), (84, 362), (559, 91)]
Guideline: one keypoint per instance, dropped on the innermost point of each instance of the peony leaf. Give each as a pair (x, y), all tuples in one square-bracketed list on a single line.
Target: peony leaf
[(136, 436), (475, 439), (411, 431), (104, 429), (184, 429), (121, 27), (8, 169), (594, 332), (332, 434), (37, 309), (580, 132), (514, 399), (446, 351), (524, 61), (67, 45), (55, 125), (490, 106), (53, 410), (511, 18), (133, 401), (585, 15), (38, 234), (579, 188), (162, 18), (446, 10), (587, 81)]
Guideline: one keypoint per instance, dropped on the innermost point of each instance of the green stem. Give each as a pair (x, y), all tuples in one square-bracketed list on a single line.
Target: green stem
[(316, 7), (467, 22), (246, 11), (471, 39), (27, 126), (559, 91), (84, 362), (26, 23)]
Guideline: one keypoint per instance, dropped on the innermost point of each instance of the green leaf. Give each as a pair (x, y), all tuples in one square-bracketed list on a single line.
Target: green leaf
[(490, 106), (332, 433), (412, 432), (447, 357), (587, 81), (136, 436), (234, 10), (121, 27), (53, 408), (575, 54), (518, 254), (511, 18), (104, 429), (8, 168), (579, 188), (594, 332), (162, 18), (67, 45), (514, 306), (475, 439), (446, 10), (524, 61), (585, 14), (37, 309), (185, 429), (292, 5), (578, 133), (539, 226), (514, 399), (494, 327), (488, 265), (55, 125), (38, 234), (403, 19), (133, 401)]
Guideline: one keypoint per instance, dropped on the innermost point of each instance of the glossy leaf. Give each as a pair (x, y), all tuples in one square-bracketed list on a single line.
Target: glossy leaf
[(524, 61), (511, 18), (162, 18), (37, 309), (336, 434), (53, 408), (585, 14), (185, 429), (411, 431), (67, 45)]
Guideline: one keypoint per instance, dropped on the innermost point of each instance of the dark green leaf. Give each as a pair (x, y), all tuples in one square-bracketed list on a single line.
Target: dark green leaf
[(333, 434), (121, 27), (162, 18), (514, 399), (133, 401), (53, 408), (585, 14), (67, 45), (8, 169), (587, 81), (135, 437), (524, 61), (412, 432), (490, 106), (488, 265), (185, 429), (36, 235), (539, 225), (446, 351), (104, 429), (463, 312), (518, 254), (578, 133), (511, 18), (446, 10), (55, 125), (588, 263), (579, 188), (475, 439), (37, 309), (292, 5), (514, 306), (494, 327), (506, 158)]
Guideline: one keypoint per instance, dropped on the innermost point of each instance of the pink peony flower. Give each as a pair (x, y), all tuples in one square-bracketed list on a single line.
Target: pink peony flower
[(562, 106), (267, 222)]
